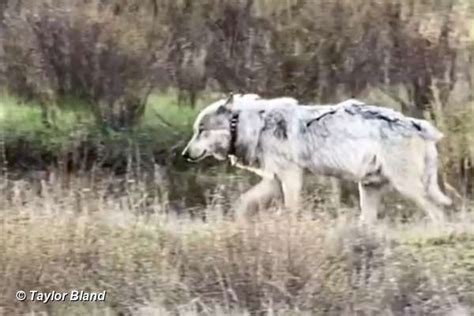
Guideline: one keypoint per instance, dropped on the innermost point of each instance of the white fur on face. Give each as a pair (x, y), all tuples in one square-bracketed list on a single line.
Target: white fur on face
[(214, 139), (209, 143)]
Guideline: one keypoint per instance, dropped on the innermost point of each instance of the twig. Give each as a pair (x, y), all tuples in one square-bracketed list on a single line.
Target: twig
[(396, 98), (164, 121)]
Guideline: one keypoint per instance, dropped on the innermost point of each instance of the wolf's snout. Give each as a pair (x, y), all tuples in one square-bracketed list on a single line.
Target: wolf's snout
[(185, 154)]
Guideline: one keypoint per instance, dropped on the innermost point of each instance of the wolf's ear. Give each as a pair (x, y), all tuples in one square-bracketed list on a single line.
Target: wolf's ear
[(229, 103), (227, 106)]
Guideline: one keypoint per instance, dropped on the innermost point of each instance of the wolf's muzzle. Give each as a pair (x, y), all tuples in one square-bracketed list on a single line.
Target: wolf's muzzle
[(185, 154), (188, 157)]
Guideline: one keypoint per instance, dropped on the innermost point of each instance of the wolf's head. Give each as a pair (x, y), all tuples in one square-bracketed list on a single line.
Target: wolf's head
[(212, 129), (231, 126)]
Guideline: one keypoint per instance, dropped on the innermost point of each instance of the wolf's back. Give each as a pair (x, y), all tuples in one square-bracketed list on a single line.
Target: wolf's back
[(427, 130), (394, 118)]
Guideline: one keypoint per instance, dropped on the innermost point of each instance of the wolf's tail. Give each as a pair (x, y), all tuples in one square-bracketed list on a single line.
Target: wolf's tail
[(431, 172)]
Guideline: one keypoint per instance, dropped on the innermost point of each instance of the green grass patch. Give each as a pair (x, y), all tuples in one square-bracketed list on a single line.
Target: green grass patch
[(166, 107), (23, 122), (163, 125)]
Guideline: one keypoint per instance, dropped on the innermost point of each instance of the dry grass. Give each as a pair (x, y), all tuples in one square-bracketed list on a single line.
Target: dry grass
[(58, 238)]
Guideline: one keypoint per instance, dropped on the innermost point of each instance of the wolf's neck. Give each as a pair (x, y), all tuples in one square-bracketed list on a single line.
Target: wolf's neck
[(249, 127)]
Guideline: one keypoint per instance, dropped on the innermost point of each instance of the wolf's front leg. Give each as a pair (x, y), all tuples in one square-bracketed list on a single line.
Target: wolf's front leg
[(292, 183), (258, 197), (370, 196)]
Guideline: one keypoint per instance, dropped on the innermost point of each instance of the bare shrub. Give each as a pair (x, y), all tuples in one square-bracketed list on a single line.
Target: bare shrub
[(320, 50), (83, 50), (310, 50)]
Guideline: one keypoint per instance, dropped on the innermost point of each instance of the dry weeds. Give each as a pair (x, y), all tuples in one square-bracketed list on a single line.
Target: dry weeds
[(78, 237)]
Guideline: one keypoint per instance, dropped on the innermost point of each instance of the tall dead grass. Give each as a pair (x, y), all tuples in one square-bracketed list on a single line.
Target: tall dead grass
[(58, 238)]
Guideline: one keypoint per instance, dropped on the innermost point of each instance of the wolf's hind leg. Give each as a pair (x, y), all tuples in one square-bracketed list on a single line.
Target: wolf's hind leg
[(431, 176), (411, 169), (370, 196), (416, 191)]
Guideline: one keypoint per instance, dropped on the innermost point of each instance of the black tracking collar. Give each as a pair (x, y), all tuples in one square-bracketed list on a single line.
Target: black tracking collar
[(234, 121)]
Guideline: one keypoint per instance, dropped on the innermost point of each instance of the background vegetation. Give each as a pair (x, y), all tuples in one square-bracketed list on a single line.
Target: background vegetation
[(102, 60), (97, 99)]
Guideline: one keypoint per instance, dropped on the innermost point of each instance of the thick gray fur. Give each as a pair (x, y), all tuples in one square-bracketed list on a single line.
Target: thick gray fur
[(278, 139)]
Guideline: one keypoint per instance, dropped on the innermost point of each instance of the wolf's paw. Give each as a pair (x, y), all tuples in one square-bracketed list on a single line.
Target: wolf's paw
[(233, 160)]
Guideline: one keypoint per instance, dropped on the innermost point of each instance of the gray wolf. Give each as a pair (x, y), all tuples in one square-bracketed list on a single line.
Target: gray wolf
[(279, 140)]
